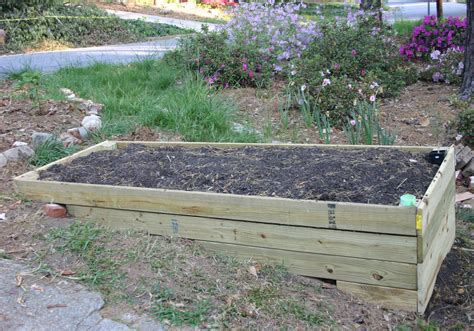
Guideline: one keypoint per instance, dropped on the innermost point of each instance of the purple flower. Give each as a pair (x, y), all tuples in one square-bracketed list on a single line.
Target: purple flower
[(354, 52), (353, 122), (437, 76)]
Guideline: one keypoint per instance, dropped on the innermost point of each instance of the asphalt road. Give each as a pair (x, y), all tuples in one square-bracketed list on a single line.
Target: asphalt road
[(415, 11)]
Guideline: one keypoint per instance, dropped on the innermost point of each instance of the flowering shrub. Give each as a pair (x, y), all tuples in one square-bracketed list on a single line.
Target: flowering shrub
[(435, 35), (354, 61), (259, 41), (447, 67)]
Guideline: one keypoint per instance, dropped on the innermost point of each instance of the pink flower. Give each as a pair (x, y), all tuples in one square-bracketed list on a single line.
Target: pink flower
[(354, 52), (372, 98), (250, 74), (245, 67), (353, 122), (326, 82)]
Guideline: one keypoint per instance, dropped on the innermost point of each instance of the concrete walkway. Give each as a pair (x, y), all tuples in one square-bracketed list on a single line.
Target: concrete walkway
[(81, 57), (29, 301)]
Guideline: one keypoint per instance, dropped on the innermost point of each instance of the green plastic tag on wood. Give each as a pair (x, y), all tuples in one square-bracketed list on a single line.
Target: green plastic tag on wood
[(408, 200)]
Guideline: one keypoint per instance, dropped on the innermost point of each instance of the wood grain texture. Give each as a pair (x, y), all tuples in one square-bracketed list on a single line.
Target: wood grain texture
[(301, 239), (346, 216), (375, 272), (387, 297), (428, 270), (436, 204)]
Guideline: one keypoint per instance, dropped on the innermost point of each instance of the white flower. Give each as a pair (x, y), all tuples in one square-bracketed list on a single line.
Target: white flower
[(373, 85), (303, 87), (349, 86), (322, 74), (293, 72), (326, 82), (328, 72), (372, 98), (435, 55)]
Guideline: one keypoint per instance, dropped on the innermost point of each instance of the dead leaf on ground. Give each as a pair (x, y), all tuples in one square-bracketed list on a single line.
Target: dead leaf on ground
[(253, 271), (66, 272), (424, 122), (19, 280)]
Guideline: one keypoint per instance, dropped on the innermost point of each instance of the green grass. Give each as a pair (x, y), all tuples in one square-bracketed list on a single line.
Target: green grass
[(49, 151), (100, 270), (404, 28), (154, 94)]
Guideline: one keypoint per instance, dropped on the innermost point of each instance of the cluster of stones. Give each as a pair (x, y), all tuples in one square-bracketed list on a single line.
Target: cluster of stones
[(75, 136)]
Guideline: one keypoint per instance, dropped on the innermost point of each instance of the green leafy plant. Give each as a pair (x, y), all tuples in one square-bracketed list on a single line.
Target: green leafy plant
[(30, 82), (74, 26), (466, 125), (353, 61), (364, 125), (50, 151)]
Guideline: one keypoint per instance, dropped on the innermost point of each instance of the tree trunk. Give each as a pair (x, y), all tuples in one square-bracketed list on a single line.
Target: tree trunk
[(439, 9), (467, 87)]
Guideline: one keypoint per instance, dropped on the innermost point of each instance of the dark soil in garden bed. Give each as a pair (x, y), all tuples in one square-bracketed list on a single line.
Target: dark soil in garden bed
[(377, 176)]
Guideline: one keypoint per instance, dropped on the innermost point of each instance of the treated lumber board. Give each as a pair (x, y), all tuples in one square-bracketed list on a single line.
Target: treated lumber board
[(375, 272), (384, 296), (438, 219), (434, 194), (436, 202), (428, 270), (319, 214), (414, 149), (302, 239)]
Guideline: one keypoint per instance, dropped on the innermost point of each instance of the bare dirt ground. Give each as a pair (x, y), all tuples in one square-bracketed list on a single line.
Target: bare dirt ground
[(177, 281), (422, 115)]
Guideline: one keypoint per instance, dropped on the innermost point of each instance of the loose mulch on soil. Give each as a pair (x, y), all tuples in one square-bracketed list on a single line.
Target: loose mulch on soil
[(378, 176)]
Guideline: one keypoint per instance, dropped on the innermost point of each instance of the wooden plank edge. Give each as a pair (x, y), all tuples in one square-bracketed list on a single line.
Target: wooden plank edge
[(396, 275), (277, 236), (443, 171), (388, 297), (350, 216), (416, 149), (427, 271)]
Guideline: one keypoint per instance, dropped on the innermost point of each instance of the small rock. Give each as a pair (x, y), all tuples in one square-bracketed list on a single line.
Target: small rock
[(468, 170), (19, 143), (463, 157), (91, 123), (3, 160), (54, 210), (68, 93), (39, 138), (80, 133), (18, 153), (90, 107)]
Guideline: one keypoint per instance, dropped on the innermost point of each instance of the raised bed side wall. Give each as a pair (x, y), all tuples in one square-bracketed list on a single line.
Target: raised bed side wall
[(387, 254)]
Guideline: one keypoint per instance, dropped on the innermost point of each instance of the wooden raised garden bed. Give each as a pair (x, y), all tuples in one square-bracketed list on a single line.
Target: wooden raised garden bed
[(385, 253)]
